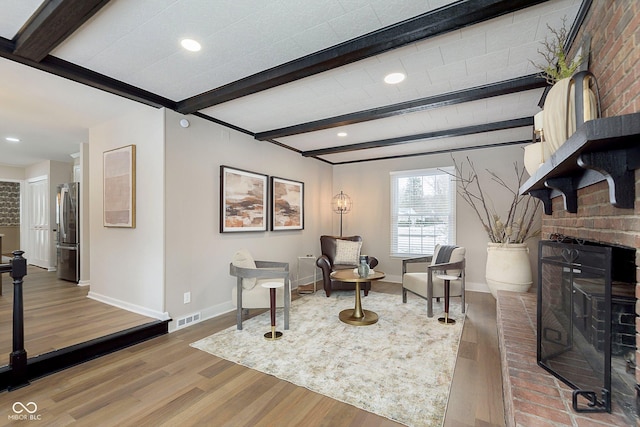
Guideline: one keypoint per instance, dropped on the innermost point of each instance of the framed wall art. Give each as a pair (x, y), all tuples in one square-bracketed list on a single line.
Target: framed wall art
[(119, 187), (287, 204), (243, 200)]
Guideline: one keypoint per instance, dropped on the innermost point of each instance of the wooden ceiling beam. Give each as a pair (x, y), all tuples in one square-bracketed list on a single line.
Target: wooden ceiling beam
[(67, 70), (436, 22), (51, 24), (428, 153), (506, 87), (447, 133)]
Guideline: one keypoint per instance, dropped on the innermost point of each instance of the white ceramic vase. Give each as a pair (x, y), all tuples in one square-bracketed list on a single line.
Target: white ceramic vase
[(508, 267), (559, 117), (533, 157)]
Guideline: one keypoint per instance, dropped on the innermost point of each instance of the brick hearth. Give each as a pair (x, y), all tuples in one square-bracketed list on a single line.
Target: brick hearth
[(532, 396)]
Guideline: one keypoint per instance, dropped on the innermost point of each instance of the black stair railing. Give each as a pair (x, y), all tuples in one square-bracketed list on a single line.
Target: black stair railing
[(17, 269)]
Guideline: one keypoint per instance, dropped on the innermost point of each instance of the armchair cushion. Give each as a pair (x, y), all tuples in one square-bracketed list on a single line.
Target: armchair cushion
[(242, 258), (347, 252)]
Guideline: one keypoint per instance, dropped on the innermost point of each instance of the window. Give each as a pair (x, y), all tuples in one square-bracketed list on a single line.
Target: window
[(423, 207)]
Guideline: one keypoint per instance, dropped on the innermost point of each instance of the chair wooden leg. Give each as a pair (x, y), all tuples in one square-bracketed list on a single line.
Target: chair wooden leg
[(404, 295)]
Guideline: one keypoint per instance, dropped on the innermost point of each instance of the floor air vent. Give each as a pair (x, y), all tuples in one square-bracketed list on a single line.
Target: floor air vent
[(188, 320)]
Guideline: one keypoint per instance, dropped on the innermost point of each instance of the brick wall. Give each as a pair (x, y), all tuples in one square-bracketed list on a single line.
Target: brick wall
[(614, 28)]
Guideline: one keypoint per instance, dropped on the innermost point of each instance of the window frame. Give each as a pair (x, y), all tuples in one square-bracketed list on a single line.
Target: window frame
[(421, 221)]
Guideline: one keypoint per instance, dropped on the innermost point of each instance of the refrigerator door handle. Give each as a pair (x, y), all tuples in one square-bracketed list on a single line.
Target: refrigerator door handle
[(63, 196)]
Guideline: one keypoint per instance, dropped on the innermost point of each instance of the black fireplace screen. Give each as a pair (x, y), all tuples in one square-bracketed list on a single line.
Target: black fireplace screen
[(586, 322)]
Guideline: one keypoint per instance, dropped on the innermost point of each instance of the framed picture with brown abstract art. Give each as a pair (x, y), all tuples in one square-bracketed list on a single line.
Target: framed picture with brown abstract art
[(243, 199), (119, 187), (287, 204)]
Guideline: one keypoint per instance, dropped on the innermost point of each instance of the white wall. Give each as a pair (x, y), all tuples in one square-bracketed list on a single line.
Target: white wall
[(197, 254), (368, 185), (11, 173), (127, 264)]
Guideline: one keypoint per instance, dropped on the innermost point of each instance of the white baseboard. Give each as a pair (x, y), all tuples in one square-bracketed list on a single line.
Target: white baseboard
[(477, 287), (129, 307), (84, 283)]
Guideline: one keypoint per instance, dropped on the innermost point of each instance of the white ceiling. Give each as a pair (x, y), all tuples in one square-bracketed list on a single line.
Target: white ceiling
[(137, 42)]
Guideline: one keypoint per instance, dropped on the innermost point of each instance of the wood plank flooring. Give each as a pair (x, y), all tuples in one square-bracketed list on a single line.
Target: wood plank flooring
[(165, 382), (57, 314)]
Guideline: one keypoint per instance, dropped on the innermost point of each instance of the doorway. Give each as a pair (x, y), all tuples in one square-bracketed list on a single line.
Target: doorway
[(38, 250)]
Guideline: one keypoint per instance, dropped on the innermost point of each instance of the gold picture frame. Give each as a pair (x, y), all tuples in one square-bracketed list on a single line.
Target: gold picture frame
[(119, 187)]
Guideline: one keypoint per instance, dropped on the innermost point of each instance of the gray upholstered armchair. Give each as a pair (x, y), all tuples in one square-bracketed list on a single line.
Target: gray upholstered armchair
[(340, 253), (248, 292), (426, 283)]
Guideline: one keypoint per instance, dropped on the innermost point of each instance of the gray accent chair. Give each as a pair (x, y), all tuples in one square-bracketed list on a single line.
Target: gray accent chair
[(248, 292), (425, 283)]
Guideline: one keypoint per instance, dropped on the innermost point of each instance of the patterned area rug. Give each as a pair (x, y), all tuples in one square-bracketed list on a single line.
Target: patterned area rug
[(400, 368)]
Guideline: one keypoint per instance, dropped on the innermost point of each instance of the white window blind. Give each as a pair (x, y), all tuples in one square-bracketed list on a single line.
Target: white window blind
[(423, 211)]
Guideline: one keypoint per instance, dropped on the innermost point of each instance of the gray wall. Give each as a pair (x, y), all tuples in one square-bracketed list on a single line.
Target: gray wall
[(368, 184)]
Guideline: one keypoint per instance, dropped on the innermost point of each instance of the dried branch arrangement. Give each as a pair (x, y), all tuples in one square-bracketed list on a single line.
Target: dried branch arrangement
[(556, 66), (519, 224)]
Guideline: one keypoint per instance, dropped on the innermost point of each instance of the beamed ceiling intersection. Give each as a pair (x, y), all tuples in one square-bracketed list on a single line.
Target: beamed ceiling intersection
[(55, 21)]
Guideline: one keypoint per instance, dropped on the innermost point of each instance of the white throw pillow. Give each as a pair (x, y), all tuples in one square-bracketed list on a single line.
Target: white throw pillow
[(347, 252), (243, 259)]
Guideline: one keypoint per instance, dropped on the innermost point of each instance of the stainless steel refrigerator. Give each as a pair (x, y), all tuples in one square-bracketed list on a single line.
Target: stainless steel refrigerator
[(68, 237)]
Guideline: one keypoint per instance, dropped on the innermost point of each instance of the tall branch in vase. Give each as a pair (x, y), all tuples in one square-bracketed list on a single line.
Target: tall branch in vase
[(519, 224)]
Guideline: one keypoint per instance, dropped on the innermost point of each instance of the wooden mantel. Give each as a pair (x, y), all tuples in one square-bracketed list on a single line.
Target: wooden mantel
[(601, 149)]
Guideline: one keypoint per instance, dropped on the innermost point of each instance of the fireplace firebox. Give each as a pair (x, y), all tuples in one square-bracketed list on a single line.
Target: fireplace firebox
[(587, 322)]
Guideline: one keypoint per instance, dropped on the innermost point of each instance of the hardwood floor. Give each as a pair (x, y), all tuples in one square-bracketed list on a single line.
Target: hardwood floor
[(164, 381), (57, 314)]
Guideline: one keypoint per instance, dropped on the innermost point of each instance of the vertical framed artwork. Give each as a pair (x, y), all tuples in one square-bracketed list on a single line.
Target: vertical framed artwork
[(243, 200), (119, 187), (287, 204)]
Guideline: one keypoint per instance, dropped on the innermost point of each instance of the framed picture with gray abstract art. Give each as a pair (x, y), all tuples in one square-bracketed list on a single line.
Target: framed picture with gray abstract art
[(243, 199), (287, 204), (119, 187)]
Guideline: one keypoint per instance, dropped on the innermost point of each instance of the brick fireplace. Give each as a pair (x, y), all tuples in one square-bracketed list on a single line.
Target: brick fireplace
[(533, 397)]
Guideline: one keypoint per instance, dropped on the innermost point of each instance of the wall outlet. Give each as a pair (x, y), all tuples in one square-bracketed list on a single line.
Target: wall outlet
[(187, 297)]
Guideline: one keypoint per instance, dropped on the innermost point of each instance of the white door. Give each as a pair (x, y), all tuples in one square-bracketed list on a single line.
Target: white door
[(38, 243)]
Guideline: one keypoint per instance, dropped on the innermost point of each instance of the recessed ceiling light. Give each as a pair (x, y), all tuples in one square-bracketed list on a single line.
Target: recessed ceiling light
[(394, 78), (342, 134), (12, 139), (191, 45)]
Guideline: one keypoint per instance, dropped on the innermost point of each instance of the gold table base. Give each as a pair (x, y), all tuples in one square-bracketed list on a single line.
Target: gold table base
[(273, 335), (446, 320), (357, 316), (368, 317)]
